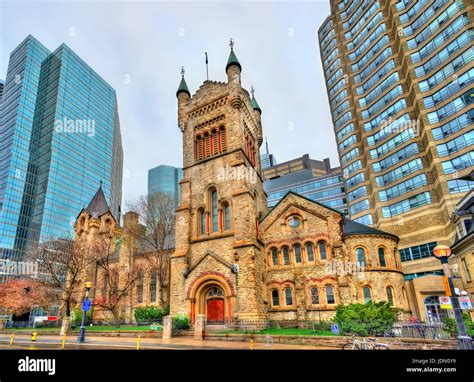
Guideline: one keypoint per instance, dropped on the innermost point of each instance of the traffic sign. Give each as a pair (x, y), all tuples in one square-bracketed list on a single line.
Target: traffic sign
[(465, 302), (86, 305), (335, 329), (447, 288), (445, 302)]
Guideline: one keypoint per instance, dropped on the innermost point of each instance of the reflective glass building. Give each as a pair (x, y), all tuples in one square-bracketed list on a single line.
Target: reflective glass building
[(400, 83), (165, 179), (60, 137)]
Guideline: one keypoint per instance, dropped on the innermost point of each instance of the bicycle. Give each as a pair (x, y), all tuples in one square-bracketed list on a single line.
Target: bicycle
[(364, 344)]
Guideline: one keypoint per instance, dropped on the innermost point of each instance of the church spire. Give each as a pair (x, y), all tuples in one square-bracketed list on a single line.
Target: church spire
[(254, 101), (183, 87), (233, 60)]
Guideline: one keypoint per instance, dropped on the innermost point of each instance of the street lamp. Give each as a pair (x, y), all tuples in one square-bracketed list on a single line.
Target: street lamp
[(85, 308), (442, 253)]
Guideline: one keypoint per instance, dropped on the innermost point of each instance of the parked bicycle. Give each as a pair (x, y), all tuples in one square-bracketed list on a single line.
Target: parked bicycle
[(371, 344)]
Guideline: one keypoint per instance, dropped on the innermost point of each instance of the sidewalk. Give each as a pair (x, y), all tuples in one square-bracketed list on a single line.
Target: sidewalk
[(51, 342)]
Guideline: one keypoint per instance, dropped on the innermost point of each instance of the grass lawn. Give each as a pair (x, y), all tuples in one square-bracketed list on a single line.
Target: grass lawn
[(284, 332)]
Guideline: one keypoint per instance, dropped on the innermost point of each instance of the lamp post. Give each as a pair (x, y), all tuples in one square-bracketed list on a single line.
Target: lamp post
[(82, 331), (442, 253)]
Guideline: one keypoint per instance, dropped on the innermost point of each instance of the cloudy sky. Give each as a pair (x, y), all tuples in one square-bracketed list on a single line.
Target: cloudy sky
[(139, 47)]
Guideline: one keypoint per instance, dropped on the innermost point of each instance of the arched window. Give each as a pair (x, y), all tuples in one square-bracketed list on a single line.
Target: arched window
[(330, 295), (360, 255), (297, 251), (215, 143), (322, 250), (286, 256), (199, 148), (275, 297), (140, 287), (382, 261), (214, 218), (222, 139), (288, 296), (390, 299), (314, 296), (274, 256), (202, 221), (309, 252), (366, 291), (207, 145), (226, 211), (153, 287)]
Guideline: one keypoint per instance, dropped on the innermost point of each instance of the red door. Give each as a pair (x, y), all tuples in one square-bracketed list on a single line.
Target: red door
[(215, 310)]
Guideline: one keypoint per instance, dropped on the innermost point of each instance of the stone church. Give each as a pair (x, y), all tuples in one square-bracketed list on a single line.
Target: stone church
[(234, 259)]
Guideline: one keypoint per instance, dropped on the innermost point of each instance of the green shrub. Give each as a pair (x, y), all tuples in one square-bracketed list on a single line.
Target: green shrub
[(180, 322), (364, 319), (150, 313), (77, 316), (451, 327)]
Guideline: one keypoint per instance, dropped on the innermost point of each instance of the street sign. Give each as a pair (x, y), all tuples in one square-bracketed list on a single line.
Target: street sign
[(465, 302), (86, 305), (335, 329), (447, 289), (445, 302)]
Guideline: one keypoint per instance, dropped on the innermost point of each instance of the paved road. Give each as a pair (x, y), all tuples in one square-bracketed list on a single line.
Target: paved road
[(46, 342)]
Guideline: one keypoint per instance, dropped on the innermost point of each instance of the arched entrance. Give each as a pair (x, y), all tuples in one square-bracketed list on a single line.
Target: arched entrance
[(215, 305), (212, 295)]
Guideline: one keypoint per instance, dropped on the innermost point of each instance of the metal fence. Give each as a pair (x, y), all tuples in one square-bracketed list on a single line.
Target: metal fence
[(399, 329)]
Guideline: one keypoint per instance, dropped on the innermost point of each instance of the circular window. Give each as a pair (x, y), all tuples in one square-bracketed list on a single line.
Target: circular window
[(294, 221)]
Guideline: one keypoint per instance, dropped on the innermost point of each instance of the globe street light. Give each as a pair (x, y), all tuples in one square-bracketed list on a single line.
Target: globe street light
[(442, 253), (85, 308)]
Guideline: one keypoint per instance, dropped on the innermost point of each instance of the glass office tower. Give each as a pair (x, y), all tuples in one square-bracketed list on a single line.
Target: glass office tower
[(165, 179), (62, 133), (399, 79)]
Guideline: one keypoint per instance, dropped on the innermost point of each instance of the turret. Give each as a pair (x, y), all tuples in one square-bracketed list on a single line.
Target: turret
[(258, 117), (183, 96), (233, 70)]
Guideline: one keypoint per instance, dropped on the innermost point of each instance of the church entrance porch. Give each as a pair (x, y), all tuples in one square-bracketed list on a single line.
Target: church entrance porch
[(213, 297)]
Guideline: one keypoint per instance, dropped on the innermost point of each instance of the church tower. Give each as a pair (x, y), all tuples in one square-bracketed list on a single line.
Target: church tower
[(218, 266)]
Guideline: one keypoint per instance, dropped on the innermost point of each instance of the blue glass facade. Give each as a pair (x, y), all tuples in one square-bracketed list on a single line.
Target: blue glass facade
[(63, 138), (165, 179)]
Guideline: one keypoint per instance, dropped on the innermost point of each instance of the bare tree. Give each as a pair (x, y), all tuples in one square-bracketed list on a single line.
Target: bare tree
[(116, 280), (61, 263), (155, 236)]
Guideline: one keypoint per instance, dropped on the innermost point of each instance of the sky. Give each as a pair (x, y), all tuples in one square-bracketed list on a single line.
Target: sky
[(139, 48)]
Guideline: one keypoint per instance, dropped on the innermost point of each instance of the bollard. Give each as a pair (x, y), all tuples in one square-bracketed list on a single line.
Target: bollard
[(64, 342), (33, 336), (251, 344), (11, 339), (138, 343)]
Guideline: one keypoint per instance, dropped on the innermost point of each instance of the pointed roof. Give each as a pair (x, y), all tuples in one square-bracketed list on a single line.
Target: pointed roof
[(183, 88), (98, 205), (233, 60), (255, 105)]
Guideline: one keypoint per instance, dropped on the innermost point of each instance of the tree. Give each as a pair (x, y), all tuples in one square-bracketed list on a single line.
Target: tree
[(364, 319), (61, 262), (23, 295), (117, 280), (155, 236)]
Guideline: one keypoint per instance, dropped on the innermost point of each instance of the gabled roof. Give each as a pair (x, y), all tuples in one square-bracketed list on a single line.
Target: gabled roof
[(350, 227)]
